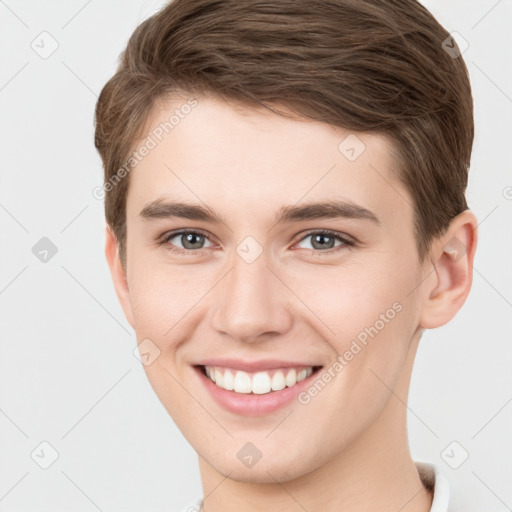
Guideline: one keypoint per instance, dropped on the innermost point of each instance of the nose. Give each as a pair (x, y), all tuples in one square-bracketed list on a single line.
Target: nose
[(253, 304)]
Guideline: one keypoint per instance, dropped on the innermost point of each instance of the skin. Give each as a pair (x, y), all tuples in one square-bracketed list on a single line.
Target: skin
[(347, 449)]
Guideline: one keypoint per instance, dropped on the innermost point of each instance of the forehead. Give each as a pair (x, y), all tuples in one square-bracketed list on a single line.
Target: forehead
[(231, 157)]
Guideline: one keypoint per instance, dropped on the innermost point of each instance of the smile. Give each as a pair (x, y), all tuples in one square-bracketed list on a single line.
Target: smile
[(258, 383)]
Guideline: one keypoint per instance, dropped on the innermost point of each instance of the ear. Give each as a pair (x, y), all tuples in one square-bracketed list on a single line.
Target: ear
[(118, 273), (449, 282)]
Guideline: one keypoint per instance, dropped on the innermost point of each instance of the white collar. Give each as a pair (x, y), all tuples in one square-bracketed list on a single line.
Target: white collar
[(435, 481)]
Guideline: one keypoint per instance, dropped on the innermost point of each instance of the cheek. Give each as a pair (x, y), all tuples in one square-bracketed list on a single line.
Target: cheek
[(367, 314), (348, 299), (372, 320), (165, 299)]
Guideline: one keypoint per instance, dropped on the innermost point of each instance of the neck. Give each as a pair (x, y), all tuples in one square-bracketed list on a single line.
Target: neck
[(376, 472)]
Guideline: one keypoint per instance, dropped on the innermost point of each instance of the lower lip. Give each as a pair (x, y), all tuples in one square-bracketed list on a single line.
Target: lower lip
[(252, 404)]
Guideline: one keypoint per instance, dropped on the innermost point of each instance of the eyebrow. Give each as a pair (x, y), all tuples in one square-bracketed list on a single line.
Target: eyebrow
[(161, 209)]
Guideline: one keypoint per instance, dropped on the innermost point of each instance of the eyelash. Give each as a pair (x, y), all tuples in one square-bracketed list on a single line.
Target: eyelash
[(345, 242)]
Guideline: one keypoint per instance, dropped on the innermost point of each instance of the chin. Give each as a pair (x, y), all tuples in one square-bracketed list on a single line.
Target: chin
[(264, 471)]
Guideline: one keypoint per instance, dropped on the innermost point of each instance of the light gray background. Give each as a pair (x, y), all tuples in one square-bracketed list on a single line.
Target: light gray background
[(68, 375)]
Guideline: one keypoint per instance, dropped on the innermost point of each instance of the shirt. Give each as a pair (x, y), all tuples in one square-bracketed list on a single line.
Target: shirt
[(430, 475)]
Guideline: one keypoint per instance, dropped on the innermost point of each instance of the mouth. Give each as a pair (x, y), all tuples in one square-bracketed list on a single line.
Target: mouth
[(256, 383), (256, 393)]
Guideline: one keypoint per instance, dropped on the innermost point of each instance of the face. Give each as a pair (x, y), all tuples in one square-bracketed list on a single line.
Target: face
[(230, 266)]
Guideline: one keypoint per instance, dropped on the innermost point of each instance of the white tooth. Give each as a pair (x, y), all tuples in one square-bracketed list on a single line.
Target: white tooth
[(242, 383), (278, 382), (218, 378), (291, 377), (261, 383), (228, 380), (258, 383)]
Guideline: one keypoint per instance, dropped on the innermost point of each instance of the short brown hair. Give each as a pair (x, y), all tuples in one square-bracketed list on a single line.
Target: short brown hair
[(376, 66)]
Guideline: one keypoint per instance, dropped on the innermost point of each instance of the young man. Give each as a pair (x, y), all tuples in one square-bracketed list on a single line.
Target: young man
[(286, 215)]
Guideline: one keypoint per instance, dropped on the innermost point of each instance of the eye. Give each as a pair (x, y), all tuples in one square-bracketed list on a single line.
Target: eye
[(325, 241), (190, 241)]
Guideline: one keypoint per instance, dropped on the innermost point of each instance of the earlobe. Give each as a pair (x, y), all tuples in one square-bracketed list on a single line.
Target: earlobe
[(118, 274), (452, 275)]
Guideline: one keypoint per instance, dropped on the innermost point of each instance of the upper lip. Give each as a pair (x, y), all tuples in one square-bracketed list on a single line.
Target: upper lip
[(252, 366)]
